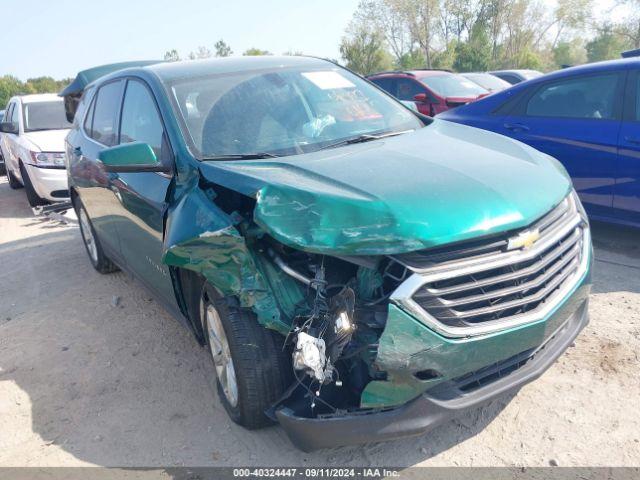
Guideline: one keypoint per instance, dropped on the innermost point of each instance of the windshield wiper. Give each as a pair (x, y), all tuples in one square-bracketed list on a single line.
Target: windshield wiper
[(241, 156), (366, 137)]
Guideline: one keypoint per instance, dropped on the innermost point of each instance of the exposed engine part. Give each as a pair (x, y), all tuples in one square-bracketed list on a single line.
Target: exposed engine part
[(309, 356), (321, 337), (290, 271)]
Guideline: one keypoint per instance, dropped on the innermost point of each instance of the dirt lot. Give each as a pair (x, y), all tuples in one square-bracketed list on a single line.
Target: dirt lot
[(85, 380)]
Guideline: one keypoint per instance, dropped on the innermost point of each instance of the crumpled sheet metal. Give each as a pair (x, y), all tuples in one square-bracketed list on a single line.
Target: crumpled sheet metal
[(323, 223), (202, 238), (407, 346)]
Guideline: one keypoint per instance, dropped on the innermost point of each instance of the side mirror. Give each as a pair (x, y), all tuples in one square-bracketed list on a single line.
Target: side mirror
[(131, 157), (421, 97), (8, 127)]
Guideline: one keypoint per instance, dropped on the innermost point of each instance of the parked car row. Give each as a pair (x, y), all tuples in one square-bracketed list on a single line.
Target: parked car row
[(584, 116), (358, 270), (434, 91), (32, 146), (588, 118)]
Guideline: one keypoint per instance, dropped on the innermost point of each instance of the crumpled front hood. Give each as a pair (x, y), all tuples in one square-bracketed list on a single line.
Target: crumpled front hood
[(441, 184), (48, 140)]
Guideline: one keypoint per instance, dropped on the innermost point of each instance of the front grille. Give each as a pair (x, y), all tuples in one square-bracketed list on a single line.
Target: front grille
[(486, 285)]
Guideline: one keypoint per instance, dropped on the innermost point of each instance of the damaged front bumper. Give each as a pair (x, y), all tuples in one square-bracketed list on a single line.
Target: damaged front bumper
[(448, 398)]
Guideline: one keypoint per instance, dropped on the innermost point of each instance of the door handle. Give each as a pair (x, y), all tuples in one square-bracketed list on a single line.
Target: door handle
[(516, 127), (634, 140), (77, 152)]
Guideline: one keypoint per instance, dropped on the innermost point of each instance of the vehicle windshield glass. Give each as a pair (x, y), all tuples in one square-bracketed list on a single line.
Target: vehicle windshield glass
[(453, 86), (45, 116), (283, 111), (487, 81)]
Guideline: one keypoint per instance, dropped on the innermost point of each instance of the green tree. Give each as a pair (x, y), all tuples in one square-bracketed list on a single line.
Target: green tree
[(200, 53), (363, 51), (222, 49), (415, 59), (445, 58), (10, 86), (255, 52), (43, 85), (171, 55), (570, 53), (607, 44), (475, 54)]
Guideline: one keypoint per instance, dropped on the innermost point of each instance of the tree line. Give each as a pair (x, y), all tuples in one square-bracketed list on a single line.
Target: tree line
[(220, 49), (461, 35), (10, 86), (481, 35)]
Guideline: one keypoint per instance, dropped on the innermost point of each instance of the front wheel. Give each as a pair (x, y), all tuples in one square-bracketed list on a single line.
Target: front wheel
[(252, 369), (14, 183), (33, 198)]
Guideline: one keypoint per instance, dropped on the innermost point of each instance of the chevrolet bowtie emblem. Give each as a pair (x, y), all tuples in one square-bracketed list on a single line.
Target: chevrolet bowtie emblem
[(524, 240)]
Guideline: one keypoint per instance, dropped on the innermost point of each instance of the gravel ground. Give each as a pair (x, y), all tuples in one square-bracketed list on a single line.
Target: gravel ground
[(86, 380)]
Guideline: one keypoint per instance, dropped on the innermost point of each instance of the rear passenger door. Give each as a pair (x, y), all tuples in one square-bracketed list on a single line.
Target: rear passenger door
[(576, 120), (10, 139), (626, 198), (99, 131)]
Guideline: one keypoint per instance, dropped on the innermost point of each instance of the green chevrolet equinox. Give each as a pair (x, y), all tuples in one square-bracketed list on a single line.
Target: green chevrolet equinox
[(358, 272)]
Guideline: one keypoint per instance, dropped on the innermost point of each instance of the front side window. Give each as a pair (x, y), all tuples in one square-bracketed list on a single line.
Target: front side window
[(105, 113), (283, 111), (452, 85), (582, 97), (140, 121), (45, 116), (407, 89)]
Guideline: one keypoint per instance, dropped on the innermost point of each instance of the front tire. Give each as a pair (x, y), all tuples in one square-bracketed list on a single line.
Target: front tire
[(33, 198), (14, 183), (98, 259), (252, 369)]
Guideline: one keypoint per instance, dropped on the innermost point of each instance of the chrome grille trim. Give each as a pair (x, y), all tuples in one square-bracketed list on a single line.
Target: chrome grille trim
[(565, 240), (552, 226)]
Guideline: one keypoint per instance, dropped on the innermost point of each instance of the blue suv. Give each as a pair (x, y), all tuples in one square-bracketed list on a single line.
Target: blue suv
[(587, 117)]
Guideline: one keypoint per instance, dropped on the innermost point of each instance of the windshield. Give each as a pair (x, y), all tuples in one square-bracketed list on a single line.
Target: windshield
[(488, 81), (45, 116), (453, 86), (283, 111)]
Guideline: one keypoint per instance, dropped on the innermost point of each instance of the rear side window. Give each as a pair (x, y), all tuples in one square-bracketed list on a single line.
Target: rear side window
[(512, 79), (582, 97), (140, 121), (15, 115), (88, 120), (7, 114), (105, 113)]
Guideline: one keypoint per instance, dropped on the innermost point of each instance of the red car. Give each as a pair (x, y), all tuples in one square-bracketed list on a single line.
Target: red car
[(433, 91)]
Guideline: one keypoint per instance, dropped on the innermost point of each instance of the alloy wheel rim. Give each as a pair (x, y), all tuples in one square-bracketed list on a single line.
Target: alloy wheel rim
[(87, 236), (221, 353)]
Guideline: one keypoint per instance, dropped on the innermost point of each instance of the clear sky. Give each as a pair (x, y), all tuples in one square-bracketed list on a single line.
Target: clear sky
[(61, 37)]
